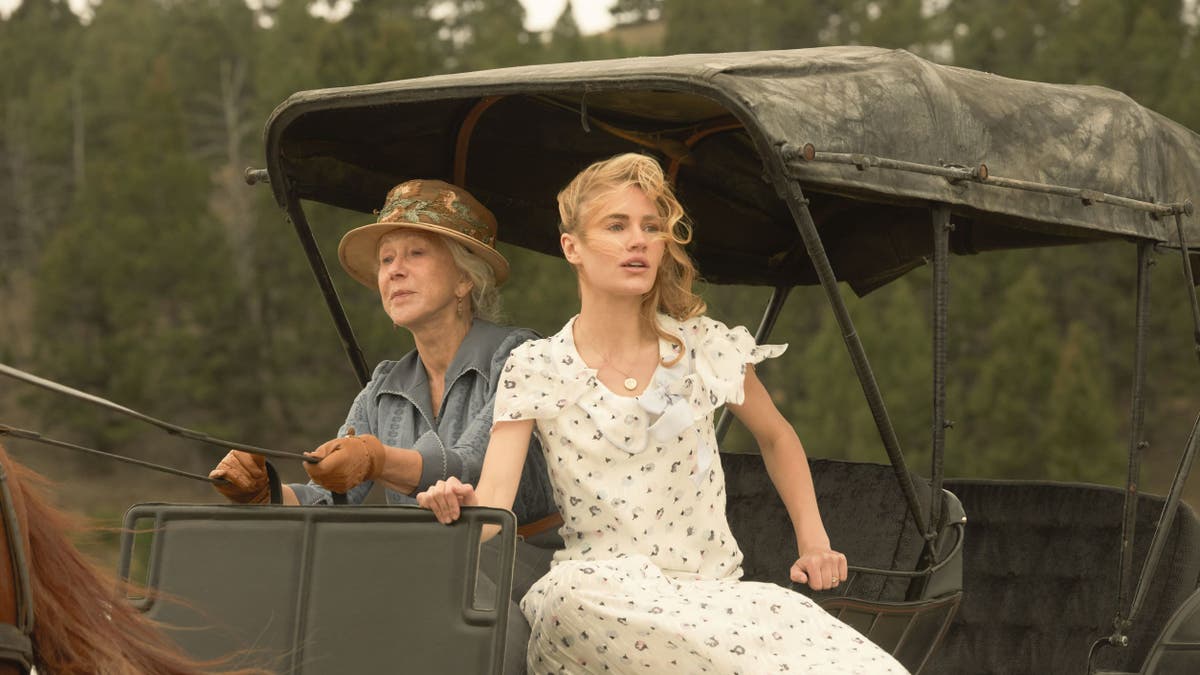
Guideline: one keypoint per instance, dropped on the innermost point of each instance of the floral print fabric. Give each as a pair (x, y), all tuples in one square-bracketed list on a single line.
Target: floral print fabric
[(648, 579)]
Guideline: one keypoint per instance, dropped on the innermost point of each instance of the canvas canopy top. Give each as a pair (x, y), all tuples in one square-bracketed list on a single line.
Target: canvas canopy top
[(732, 127)]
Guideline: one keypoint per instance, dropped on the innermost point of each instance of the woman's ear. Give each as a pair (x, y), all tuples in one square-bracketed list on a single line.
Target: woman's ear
[(464, 287), (570, 247)]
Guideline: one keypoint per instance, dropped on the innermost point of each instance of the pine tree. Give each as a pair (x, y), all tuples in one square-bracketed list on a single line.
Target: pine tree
[(134, 287), (1004, 406), (1079, 441)]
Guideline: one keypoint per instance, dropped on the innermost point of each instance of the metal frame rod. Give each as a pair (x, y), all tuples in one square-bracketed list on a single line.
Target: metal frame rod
[(798, 205), (173, 429), (1191, 283), (980, 174), (941, 303), (1137, 442), (295, 215), (1165, 521), (770, 316)]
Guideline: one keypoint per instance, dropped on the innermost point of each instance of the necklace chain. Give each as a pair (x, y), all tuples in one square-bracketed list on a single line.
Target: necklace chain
[(630, 383)]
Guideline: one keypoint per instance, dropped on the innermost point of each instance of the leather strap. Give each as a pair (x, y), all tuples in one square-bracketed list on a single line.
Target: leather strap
[(274, 484), (538, 526), (15, 647)]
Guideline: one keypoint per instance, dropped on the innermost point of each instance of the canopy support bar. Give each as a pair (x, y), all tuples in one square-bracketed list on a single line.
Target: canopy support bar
[(798, 205), (463, 141), (1137, 441), (1167, 518), (1191, 283), (770, 316), (1165, 521), (958, 173), (941, 304), (295, 215)]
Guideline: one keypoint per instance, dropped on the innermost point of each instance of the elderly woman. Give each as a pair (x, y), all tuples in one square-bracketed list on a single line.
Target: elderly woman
[(427, 416)]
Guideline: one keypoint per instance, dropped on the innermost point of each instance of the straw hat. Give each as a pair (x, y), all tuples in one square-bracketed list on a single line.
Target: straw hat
[(429, 206)]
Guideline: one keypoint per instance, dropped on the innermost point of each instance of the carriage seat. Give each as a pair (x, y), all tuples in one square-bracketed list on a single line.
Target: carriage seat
[(1041, 577), (861, 505)]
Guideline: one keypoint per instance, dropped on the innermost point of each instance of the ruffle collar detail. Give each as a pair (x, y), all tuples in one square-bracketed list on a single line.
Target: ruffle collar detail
[(543, 377)]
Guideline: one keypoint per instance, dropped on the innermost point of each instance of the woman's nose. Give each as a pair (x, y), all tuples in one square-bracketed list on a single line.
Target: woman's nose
[(637, 238)]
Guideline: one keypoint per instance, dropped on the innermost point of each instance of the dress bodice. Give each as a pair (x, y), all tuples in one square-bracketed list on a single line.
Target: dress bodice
[(637, 475)]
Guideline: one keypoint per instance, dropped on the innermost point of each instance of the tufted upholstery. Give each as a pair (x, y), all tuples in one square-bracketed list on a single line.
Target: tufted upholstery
[(1040, 577), (862, 507), (1040, 561)]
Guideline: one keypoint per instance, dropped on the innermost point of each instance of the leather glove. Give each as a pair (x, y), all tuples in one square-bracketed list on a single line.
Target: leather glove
[(246, 474), (346, 462)]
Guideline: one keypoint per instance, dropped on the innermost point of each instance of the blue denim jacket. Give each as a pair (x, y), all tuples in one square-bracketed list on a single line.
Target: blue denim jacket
[(395, 406)]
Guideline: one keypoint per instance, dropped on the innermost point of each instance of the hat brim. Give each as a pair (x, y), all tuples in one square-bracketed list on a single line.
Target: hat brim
[(358, 250)]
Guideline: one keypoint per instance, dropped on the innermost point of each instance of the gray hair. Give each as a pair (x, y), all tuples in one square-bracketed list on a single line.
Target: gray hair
[(485, 296)]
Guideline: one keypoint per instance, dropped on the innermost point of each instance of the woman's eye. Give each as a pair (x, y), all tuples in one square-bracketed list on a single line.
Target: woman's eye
[(653, 227), (616, 227), (386, 260), (417, 252)]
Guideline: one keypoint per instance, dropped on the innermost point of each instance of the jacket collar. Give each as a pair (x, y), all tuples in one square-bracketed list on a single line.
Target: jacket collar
[(409, 379)]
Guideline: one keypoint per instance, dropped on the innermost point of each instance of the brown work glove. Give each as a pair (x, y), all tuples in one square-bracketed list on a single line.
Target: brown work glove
[(346, 462), (246, 474)]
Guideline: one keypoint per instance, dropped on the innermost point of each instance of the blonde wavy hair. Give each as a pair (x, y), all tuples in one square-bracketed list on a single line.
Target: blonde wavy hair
[(585, 195)]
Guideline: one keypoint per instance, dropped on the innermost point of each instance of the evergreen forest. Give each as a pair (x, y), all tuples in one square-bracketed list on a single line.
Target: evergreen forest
[(136, 264)]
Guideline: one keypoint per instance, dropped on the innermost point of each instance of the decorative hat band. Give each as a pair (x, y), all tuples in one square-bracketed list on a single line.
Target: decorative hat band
[(445, 210)]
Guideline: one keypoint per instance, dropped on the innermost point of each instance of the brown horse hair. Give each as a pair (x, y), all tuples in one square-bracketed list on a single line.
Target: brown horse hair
[(83, 622)]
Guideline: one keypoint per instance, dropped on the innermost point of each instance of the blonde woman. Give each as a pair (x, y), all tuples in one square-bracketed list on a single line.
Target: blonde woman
[(623, 401)]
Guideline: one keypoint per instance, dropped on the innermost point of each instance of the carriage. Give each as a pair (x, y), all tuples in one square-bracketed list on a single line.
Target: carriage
[(804, 167)]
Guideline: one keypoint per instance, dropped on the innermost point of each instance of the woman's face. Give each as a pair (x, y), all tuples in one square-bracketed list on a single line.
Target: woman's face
[(621, 247), (418, 280)]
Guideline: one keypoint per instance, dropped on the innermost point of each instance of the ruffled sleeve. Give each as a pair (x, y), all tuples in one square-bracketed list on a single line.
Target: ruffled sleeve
[(721, 354), (532, 386)]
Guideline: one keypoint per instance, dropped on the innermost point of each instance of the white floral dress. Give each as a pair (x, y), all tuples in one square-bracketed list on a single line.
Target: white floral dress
[(648, 581)]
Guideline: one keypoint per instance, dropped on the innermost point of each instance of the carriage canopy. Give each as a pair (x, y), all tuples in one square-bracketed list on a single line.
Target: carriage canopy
[(725, 123)]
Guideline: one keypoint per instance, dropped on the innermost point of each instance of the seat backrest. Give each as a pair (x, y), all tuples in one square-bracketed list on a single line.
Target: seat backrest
[(327, 589), (1041, 566), (861, 505)]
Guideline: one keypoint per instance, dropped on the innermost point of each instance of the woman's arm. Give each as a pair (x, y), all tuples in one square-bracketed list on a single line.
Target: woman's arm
[(817, 565), (498, 481), (429, 460)]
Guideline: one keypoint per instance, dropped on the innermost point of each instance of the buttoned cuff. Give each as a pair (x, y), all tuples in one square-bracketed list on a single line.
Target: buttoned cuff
[(437, 462)]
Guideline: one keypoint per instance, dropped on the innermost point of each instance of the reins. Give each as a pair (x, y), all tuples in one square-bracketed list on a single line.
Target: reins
[(173, 429)]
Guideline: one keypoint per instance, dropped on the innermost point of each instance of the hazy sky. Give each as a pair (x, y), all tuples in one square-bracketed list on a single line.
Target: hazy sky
[(591, 15)]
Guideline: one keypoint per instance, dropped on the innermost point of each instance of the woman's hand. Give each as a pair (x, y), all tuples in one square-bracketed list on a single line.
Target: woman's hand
[(346, 462), (822, 569), (245, 477), (445, 497)]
